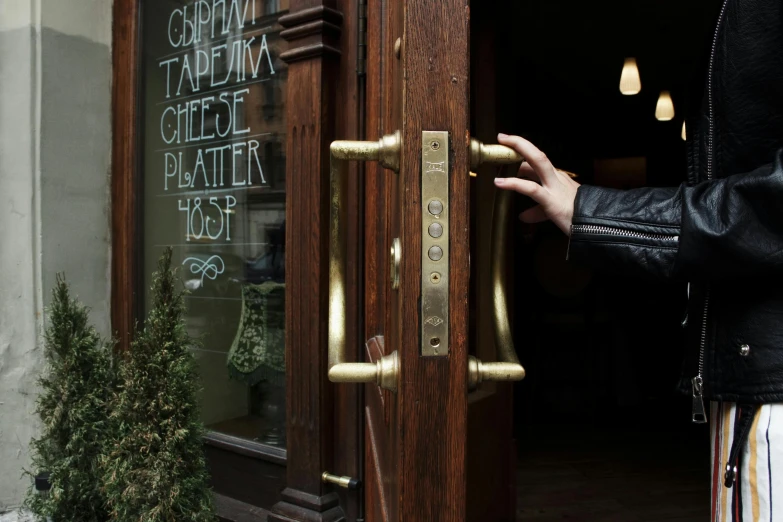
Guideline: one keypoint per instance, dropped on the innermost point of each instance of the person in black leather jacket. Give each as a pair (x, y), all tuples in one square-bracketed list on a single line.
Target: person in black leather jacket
[(721, 231)]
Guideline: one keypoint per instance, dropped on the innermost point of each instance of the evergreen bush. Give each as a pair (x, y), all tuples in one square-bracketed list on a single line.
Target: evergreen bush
[(154, 468), (73, 408)]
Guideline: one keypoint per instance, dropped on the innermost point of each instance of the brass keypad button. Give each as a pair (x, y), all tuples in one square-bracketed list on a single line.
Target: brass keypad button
[(435, 207), (435, 253), (435, 230)]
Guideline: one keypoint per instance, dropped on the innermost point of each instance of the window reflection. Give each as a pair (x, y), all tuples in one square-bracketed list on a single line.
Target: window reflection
[(213, 95)]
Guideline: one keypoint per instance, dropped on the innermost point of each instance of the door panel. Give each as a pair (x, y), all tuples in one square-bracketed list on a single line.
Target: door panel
[(415, 446), (416, 439)]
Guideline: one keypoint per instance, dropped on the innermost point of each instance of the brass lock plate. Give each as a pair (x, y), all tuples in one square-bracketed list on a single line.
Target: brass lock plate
[(435, 244)]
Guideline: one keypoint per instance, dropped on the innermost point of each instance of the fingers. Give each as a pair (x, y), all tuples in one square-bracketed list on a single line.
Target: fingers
[(532, 154), (523, 186), (527, 172), (534, 215)]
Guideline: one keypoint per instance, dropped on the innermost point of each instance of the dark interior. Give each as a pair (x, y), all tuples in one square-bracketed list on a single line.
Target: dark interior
[(602, 432)]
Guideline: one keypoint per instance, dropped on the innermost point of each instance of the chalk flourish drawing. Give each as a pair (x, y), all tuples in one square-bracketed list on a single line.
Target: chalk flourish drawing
[(211, 268)]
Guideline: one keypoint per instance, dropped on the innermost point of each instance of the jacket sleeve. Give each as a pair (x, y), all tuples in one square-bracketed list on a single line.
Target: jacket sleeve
[(724, 228)]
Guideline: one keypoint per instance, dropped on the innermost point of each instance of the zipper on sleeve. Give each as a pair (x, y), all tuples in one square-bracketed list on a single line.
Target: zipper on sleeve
[(619, 233)]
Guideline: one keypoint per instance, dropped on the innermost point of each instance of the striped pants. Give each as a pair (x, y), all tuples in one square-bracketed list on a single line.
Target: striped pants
[(757, 493)]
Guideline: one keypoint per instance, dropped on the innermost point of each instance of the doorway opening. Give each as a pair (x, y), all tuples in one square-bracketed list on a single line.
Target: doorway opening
[(601, 431)]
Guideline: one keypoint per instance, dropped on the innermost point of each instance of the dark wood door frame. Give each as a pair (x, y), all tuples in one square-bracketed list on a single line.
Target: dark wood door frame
[(324, 425), (383, 116)]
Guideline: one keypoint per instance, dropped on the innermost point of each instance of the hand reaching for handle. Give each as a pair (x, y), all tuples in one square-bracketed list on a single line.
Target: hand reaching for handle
[(553, 190)]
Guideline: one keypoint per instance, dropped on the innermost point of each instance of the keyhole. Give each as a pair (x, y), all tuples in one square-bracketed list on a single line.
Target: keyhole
[(435, 342), (435, 145)]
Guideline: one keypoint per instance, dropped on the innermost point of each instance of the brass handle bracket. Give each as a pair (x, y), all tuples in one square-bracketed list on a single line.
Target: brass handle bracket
[(481, 154), (383, 372), (386, 151), (479, 372)]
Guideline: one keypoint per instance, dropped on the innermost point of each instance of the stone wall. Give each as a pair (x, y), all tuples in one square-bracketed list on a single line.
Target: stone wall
[(55, 150)]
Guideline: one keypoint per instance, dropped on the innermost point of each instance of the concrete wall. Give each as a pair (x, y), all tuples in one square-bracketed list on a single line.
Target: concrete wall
[(55, 147)]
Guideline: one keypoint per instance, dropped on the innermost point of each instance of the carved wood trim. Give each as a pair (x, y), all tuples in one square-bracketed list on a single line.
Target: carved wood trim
[(309, 418), (316, 30), (307, 52), (300, 506), (302, 16), (311, 28), (321, 106), (314, 502)]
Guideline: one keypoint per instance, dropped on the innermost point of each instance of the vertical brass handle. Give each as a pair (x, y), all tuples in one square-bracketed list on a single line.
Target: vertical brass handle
[(508, 367), (387, 152)]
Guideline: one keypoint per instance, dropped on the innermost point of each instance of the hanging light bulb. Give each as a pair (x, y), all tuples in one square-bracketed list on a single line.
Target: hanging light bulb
[(630, 83), (664, 111), (684, 136)]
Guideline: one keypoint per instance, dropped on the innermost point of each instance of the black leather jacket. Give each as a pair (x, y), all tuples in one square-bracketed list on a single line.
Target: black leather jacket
[(722, 231)]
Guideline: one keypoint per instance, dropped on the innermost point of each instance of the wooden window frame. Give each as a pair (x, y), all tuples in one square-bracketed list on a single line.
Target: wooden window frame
[(127, 305), (322, 61), (125, 179)]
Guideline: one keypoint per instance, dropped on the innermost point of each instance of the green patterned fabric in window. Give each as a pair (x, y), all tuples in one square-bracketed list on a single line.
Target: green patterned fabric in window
[(258, 350)]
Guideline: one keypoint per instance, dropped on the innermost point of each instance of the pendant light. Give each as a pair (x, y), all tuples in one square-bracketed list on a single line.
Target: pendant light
[(684, 135), (630, 83), (664, 111)]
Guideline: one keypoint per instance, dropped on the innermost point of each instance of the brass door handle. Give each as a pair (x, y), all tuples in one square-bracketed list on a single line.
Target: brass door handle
[(386, 151), (481, 154), (508, 367)]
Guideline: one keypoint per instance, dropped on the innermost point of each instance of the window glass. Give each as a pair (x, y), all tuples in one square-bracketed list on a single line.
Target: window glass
[(213, 170)]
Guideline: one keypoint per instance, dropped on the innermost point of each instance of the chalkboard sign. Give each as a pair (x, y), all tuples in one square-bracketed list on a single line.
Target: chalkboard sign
[(213, 159)]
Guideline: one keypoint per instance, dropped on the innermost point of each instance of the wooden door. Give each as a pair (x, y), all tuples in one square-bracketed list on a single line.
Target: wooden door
[(415, 449), (418, 464)]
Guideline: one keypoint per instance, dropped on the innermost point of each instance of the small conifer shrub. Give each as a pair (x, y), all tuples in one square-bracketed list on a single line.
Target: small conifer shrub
[(155, 468), (73, 407)]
